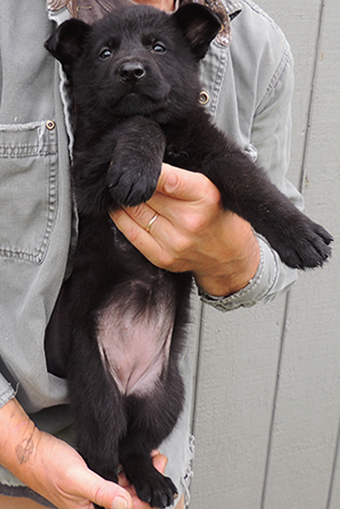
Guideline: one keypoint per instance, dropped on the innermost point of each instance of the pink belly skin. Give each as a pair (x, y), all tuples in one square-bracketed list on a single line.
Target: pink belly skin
[(135, 346)]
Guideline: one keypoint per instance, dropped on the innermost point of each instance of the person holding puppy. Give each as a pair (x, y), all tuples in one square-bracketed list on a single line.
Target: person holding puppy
[(182, 227)]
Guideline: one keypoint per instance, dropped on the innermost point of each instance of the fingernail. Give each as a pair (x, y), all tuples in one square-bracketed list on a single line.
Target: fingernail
[(120, 503)]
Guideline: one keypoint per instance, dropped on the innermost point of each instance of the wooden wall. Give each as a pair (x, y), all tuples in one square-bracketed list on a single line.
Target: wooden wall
[(267, 414)]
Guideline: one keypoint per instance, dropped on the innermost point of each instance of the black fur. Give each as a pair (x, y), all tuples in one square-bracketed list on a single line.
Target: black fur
[(134, 79)]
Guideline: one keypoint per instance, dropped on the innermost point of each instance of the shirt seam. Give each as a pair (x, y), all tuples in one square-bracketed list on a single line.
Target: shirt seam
[(275, 78), (233, 8)]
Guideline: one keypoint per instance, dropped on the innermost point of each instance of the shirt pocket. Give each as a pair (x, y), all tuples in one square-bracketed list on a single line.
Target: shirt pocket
[(28, 189)]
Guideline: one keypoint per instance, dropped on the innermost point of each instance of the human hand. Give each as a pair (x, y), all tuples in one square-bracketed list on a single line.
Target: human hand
[(51, 467), (192, 232), (62, 476)]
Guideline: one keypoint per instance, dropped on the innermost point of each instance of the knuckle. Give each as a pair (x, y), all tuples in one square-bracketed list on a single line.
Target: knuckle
[(172, 183), (195, 223), (166, 261), (133, 234), (182, 244), (212, 194), (138, 212)]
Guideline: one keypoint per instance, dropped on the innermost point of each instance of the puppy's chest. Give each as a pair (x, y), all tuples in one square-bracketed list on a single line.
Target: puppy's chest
[(134, 337)]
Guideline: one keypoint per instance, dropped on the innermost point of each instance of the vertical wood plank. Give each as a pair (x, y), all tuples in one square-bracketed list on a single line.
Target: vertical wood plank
[(235, 394)]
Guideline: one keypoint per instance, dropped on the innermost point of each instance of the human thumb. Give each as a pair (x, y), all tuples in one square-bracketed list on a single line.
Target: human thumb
[(120, 503), (181, 184), (108, 494)]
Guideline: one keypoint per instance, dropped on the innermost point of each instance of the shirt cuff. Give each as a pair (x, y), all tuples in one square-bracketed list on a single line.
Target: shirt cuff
[(272, 278), (6, 391)]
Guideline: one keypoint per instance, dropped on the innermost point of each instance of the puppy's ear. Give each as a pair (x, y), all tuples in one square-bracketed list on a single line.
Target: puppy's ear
[(67, 42), (199, 26)]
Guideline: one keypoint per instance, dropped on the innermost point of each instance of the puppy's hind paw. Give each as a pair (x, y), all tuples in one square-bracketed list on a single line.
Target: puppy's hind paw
[(158, 492)]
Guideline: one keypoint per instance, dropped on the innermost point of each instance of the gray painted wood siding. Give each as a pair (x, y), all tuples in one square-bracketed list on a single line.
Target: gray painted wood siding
[(267, 414)]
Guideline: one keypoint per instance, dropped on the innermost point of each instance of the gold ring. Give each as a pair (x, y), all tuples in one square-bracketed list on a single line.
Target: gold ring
[(150, 223)]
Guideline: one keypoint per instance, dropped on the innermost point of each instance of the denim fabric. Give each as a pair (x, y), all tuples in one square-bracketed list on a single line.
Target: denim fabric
[(35, 202), (28, 148)]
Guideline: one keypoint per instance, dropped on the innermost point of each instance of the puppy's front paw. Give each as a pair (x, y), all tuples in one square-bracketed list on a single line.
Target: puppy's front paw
[(132, 183), (306, 245)]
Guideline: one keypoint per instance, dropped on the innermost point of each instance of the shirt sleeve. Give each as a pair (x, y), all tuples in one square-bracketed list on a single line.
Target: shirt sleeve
[(6, 391), (270, 146)]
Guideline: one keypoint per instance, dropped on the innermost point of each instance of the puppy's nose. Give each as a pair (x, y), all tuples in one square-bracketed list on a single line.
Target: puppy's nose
[(131, 72)]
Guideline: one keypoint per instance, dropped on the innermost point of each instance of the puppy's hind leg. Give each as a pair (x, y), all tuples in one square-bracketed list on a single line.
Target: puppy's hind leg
[(97, 405), (151, 419)]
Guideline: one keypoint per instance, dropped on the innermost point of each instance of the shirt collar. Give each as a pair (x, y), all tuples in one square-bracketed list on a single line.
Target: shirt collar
[(232, 8), (88, 10), (55, 5)]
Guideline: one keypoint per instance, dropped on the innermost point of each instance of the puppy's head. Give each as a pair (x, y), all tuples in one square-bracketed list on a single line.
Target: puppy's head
[(136, 61)]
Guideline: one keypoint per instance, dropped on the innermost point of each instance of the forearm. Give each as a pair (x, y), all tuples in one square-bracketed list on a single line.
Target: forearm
[(18, 441)]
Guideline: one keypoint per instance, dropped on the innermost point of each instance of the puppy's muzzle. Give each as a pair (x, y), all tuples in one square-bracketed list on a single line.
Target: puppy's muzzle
[(131, 72)]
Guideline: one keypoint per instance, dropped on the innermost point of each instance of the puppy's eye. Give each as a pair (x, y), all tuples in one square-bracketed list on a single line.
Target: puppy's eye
[(105, 54), (158, 47)]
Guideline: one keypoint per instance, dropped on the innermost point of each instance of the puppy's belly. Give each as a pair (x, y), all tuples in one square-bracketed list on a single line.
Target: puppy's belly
[(135, 345)]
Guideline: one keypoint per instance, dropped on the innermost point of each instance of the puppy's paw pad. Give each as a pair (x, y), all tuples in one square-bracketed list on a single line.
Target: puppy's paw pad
[(309, 247), (159, 492), (130, 187)]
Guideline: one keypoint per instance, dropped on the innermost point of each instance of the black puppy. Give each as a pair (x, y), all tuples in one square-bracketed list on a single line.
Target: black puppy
[(134, 80)]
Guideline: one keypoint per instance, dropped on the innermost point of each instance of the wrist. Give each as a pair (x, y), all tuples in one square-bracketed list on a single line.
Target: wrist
[(235, 274)]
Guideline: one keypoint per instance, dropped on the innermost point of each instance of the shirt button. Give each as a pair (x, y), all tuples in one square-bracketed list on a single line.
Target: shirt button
[(50, 125), (203, 97)]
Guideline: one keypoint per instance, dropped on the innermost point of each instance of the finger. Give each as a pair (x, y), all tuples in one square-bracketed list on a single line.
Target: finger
[(135, 233), (182, 184), (193, 191), (161, 243), (105, 493), (132, 222), (144, 215), (146, 223), (160, 462)]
